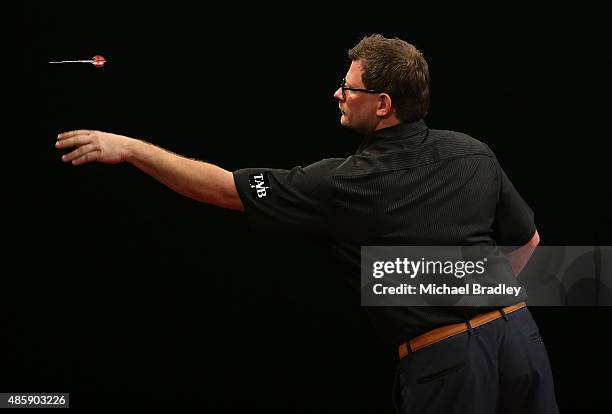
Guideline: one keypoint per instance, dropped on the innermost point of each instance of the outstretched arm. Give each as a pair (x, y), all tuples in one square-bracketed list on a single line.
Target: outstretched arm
[(518, 258), (191, 178)]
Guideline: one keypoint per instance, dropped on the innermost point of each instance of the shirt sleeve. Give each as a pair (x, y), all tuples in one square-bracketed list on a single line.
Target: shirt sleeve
[(514, 220), (288, 200)]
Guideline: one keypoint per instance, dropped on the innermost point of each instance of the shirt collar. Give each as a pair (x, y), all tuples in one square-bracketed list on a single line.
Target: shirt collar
[(400, 136)]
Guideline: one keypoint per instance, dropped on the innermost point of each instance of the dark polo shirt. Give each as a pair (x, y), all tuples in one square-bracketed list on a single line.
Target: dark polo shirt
[(406, 185)]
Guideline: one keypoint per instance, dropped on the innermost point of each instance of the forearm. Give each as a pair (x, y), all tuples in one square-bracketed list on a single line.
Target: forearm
[(195, 179), (518, 258)]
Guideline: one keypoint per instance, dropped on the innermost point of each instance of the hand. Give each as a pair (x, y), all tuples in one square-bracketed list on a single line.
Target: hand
[(93, 146)]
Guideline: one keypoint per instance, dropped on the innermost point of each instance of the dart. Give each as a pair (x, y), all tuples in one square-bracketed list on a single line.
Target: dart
[(98, 61)]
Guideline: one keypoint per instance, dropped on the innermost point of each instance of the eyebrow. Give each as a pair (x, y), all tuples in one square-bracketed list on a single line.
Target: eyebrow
[(347, 84)]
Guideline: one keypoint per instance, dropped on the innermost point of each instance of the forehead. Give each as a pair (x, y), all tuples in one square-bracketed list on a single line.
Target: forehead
[(353, 76)]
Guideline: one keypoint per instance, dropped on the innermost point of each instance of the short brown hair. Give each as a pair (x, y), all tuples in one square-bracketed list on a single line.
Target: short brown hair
[(398, 68)]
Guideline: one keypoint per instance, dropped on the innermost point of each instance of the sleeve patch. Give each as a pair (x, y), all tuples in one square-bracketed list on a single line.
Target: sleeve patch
[(260, 185)]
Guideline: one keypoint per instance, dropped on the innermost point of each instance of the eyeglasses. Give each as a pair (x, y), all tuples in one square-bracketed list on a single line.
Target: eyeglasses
[(346, 88)]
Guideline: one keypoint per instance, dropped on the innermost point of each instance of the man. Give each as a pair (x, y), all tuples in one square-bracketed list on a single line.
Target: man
[(405, 184)]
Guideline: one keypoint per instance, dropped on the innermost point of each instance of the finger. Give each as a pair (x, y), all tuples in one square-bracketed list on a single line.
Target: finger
[(74, 141), (89, 157), (78, 152), (70, 134)]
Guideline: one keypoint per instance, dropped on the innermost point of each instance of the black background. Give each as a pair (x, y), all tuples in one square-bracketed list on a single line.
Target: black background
[(125, 291)]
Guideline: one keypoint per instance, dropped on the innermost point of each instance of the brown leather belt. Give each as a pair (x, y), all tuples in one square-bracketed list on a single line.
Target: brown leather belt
[(443, 332)]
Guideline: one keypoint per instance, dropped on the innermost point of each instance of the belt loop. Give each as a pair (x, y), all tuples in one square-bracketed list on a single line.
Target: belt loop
[(404, 349), (504, 314), (471, 330)]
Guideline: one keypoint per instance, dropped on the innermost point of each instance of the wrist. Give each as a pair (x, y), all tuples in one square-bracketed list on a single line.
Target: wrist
[(129, 150)]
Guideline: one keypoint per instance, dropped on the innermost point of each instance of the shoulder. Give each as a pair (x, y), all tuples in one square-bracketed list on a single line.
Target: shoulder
[(459, 143), (321, 169), (327, 164)]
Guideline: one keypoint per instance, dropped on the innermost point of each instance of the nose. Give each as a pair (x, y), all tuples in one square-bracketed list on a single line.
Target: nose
[(338, 94)]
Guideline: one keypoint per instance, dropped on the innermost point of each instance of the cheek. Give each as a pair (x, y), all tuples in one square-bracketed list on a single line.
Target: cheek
[(356, 111)]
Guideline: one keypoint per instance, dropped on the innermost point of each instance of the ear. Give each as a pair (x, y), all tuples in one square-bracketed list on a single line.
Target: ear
[(385, 106)]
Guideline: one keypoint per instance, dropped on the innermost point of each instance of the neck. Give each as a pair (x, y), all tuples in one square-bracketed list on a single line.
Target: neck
[(387, 122)]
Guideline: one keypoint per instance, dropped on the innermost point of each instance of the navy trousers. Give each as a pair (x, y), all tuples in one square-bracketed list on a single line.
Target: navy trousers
[(500, 367)]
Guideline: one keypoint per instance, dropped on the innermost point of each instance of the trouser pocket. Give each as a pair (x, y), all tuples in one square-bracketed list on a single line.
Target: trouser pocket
[(439, 375)]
